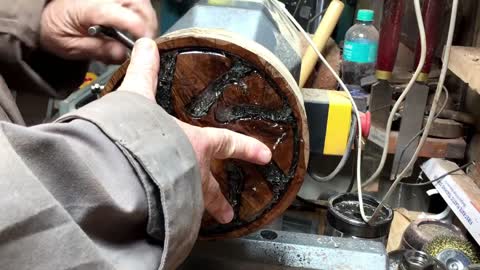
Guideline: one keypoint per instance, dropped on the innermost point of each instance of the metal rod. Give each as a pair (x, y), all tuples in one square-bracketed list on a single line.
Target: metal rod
[(111, 32)]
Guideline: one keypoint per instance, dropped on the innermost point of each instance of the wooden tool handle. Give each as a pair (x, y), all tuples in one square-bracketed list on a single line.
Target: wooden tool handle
[(389, 38), (431, 11), (320, 38)]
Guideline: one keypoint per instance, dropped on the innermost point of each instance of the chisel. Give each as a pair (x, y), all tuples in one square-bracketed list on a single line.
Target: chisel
[(416, 99), (381, 93), (96, 30)]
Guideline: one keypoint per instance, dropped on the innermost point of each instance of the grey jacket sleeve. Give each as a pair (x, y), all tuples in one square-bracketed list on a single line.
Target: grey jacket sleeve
[(114, 185), (22, 61)]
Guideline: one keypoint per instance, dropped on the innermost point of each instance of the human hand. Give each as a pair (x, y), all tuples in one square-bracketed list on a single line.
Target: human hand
[(208, 143), (64, 25), (215, 143)]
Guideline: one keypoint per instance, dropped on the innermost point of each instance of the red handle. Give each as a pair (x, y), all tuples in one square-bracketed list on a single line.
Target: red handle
[(431, 12), (389, 35)]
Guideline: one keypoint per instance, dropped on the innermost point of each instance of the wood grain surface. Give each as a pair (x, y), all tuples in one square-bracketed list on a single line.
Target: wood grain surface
[(212, 78), (465, 63)]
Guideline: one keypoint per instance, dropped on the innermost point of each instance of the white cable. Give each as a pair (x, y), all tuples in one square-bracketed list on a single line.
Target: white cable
[(366, 183), (418, 13), (438, 91), (396, 106), (344, 88), (445, 90), (446, 57)]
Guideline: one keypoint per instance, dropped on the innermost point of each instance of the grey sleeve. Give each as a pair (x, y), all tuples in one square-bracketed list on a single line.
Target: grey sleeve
[(23, 62), (113, 186)]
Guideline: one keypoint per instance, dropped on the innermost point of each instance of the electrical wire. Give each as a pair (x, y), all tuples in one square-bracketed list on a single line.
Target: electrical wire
[(369, 181), (311, 20), (343, 160), (443, 74), (440, 177), (418, 134), (396, 106), (354, 160), (344, 88), (421, 27), (296, 7)]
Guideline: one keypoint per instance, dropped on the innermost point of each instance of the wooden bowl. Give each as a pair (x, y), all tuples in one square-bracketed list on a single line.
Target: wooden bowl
[(213, 78)]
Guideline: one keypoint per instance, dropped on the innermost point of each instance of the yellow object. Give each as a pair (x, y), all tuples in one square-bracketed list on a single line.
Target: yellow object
[(320, 38), (89, 78), (219, 2), (383, 75), (338, 123)]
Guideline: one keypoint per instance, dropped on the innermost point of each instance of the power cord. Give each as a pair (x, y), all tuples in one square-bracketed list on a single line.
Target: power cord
[(369, 181), (433, 109), (421, 27), (418, 135), (285, 13), (396, 106), (354, 159), (440, 177), (343, 160)]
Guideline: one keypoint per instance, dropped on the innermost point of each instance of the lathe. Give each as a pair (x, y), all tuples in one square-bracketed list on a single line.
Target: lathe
[(239, 65)]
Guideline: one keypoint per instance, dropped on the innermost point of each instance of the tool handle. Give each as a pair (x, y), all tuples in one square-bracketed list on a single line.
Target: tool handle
[(431, 11), (111, 32), (320, 38), (389, 38)]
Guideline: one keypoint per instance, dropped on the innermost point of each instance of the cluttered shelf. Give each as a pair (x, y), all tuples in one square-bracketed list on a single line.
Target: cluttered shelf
[(435, 147)]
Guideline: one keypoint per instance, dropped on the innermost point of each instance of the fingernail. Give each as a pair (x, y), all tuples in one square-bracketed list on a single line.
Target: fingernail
[(227, 215), (265, 155)]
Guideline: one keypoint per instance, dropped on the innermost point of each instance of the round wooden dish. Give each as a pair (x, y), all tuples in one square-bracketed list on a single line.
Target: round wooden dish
[(217, 79)]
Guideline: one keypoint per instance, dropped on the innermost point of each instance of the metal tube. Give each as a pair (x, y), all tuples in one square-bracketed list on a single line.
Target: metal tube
[(111, 32)]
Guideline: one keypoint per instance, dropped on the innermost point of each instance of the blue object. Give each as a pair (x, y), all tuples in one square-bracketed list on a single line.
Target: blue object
[(360, 51), (365, 15)]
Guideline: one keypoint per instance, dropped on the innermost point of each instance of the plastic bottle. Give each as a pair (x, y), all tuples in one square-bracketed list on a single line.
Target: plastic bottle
[(360, 50)]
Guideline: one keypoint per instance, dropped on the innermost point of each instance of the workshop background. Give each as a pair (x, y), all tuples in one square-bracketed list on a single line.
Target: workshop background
[(425, 224)]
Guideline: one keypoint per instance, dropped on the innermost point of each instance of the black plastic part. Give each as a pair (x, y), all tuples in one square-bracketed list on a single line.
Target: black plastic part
[(348, 220), (268, 235), (317, 117)]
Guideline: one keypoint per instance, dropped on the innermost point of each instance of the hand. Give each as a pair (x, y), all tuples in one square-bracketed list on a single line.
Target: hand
[(208, 143), (215, 143), (64, 25)]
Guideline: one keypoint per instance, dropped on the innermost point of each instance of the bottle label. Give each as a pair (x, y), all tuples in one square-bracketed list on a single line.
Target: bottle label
[(360, 51)]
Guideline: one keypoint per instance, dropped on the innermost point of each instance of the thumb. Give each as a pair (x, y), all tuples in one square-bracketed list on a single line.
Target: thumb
[(142, 72)]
